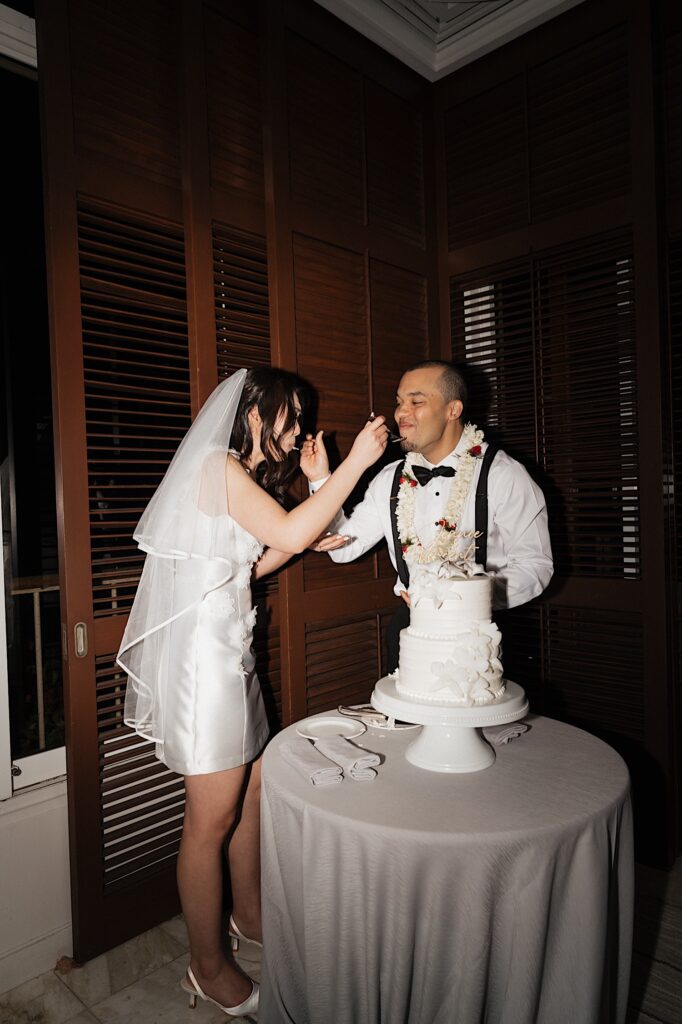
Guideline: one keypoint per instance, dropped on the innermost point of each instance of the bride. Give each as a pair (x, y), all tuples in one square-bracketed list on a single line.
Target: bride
[(192, 686)]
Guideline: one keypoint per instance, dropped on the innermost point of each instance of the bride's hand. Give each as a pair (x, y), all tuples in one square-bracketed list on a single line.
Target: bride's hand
[(370, 442), (313, 458)]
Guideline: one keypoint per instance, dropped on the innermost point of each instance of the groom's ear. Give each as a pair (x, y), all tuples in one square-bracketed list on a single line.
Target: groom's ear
[(455, 409)]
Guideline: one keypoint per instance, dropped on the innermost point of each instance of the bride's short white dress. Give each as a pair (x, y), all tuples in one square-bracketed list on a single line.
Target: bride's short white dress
[(194, 688), (192, 684), (214, 715)]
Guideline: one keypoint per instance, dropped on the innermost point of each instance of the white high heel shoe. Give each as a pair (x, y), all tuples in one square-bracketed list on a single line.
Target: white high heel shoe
[(249, 1005), (235, 935)]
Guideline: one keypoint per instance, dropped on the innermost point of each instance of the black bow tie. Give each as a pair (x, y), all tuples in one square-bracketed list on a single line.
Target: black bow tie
[(423, 475)]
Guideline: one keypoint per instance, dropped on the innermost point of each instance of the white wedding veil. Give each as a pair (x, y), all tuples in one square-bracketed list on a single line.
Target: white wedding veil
[(187, 535)]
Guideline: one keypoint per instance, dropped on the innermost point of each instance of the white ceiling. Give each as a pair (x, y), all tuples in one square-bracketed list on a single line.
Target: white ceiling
[(435, 37)]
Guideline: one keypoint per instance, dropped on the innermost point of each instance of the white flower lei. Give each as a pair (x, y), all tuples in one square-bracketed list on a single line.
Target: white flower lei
[(444, 545)]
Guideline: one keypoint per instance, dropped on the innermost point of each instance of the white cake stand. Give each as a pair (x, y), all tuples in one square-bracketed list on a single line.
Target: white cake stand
[(451, 740)]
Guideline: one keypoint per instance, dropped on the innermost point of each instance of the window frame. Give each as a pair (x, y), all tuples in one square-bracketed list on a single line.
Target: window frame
[(18, 44)]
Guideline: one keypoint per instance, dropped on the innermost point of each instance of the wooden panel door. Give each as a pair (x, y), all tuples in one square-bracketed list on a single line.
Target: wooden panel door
[(147, 185)]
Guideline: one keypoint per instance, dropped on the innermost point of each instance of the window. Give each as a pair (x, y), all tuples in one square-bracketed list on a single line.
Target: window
[(31, 700)]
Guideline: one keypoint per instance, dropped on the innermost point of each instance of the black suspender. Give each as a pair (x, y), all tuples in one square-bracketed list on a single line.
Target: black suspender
[(481, 510), (480, 515), (400, 562)]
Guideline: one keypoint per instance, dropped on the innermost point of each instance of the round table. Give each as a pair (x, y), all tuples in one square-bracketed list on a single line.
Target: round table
[(502, 896)]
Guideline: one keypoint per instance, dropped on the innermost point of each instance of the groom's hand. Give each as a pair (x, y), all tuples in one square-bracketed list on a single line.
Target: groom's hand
[(313, 460), (329, 542)]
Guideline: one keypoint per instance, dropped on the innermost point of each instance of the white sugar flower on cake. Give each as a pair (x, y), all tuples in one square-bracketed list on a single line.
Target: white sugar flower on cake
[(464, 681), (435, 583)]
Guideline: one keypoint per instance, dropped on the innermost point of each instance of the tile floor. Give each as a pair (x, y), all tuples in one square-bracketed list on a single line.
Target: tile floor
[(138, 982)]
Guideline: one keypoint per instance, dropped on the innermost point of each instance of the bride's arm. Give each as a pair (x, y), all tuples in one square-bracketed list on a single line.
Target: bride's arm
[(270, 561), (292, 532)]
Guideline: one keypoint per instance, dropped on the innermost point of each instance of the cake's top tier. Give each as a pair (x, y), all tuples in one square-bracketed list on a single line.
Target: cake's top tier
[(442, 607)]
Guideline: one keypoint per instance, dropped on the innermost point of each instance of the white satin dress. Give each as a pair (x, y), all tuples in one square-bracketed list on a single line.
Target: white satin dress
[(214, 717)]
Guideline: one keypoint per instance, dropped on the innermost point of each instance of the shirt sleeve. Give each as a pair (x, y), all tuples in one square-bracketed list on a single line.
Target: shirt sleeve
[(518, 518), (365, 525)]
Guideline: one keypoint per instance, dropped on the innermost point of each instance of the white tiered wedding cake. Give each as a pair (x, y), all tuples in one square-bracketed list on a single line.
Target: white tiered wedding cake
[(450, 653)]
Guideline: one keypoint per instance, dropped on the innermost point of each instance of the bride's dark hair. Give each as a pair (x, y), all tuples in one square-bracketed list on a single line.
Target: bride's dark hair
[(272, 391)]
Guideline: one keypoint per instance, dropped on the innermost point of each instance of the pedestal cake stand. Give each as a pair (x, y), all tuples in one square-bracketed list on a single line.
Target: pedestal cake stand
[(450, 740)]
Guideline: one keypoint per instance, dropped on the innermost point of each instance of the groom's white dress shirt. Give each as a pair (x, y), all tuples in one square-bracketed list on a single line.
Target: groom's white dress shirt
[(519, 549)]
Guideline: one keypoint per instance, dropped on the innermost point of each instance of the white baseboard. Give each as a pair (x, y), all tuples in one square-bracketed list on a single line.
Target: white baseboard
[(35, 957)]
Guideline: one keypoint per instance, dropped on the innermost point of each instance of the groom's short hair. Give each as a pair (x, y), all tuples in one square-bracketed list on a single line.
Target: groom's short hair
[(451, 382)]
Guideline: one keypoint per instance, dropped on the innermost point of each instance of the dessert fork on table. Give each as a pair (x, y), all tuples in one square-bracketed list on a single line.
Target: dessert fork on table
[(369, 715)]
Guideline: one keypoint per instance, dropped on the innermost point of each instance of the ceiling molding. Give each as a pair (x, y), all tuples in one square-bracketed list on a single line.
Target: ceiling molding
[(435, 46), (18, 37)]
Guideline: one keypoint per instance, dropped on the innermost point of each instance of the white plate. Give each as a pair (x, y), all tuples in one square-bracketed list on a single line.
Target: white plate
[(334, 725)]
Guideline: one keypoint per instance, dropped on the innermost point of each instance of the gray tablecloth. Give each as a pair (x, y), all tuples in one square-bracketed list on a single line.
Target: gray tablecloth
[(504, 896)]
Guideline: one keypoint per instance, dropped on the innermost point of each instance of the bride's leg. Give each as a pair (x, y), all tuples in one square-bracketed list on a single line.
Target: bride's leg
[(211, 803), (243, 851)]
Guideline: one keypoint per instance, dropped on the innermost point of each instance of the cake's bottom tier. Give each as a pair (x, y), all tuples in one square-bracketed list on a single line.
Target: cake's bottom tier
[(465, 670)]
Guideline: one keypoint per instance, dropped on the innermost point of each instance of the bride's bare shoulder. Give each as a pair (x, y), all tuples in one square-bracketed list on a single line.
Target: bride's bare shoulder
[(233, 465)]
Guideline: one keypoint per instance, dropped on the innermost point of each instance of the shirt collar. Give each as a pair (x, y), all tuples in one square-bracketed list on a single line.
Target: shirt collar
[(449, 460)]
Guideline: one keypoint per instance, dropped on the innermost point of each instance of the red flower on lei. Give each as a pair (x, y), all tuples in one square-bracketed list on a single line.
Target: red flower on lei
[(475, 451)]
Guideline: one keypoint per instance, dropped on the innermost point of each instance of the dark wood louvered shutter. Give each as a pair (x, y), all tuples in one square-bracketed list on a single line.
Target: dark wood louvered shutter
[(140, 334), (492, 325), (136, 379), (585, 326), (551, 341)]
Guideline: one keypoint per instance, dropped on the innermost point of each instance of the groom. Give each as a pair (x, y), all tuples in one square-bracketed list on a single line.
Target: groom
[(450, 478)]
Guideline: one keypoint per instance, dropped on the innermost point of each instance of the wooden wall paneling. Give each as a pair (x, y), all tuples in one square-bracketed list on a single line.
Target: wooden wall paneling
[(342, 661), (125, 101), (400, 337), (603, 689), (309, 20), (438, 343), (578, 126), (235, 114), (196, 192), (346, 219), (662, 726), (282, 318), (394, 142), (400, 333), (487, 196), (674, 292), (332, 344), (672, 103), (268, 648), (326, 130), (611, 215)]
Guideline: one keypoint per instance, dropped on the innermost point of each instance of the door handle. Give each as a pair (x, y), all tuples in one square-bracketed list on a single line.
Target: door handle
[(80, 639)]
